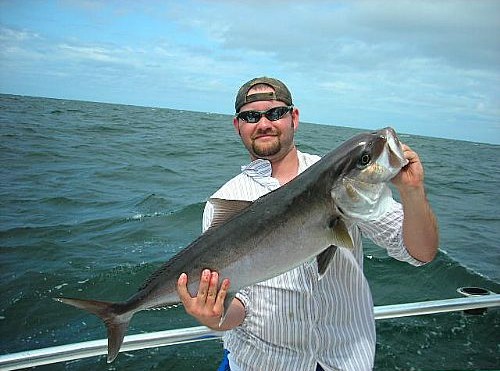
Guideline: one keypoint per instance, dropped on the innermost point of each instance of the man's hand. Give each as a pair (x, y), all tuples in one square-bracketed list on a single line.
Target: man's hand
[(208, 305), (412, 175), (420, 230)]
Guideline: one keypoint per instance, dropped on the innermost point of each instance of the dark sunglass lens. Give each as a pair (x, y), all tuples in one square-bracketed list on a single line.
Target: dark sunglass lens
[(276, 113), (250, 116)]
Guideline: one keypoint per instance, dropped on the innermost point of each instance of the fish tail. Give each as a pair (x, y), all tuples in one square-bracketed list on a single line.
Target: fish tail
[(116, 323)]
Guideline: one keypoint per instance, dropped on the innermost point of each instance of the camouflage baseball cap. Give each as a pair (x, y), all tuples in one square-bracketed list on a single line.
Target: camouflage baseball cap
[(280, 93)]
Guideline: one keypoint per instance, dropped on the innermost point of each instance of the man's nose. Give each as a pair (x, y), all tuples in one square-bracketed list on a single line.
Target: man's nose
[(264, 123)]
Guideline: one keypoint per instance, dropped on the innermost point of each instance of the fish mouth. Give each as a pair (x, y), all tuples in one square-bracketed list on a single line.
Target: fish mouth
[(396, 158), (391, 155), (363, 193), (388, 158)]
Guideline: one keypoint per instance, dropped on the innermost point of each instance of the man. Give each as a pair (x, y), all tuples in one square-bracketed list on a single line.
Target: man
[(295, 321)]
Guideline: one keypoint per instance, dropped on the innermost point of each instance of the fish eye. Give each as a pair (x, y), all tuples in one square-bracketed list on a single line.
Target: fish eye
[(364, 159)]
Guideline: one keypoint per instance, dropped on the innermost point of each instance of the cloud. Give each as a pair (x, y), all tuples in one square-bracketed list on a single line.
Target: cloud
[(456, 32), (402, 53), (347, 62), (92, 53), (8, 35), (427, 59)]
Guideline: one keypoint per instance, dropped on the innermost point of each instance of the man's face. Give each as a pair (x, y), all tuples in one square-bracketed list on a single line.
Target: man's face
[(266, 139)]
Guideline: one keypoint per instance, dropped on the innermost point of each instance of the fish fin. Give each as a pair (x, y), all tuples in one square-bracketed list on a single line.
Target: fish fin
[(225, 209), (227, 304), (324, 259), (341, 236), (116, 324)]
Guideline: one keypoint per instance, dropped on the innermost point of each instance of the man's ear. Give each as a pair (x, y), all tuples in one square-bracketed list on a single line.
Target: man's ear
[(236, 125), (295, 119)]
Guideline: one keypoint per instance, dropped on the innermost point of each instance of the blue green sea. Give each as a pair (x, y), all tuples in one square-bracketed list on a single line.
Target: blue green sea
[(94, 197)]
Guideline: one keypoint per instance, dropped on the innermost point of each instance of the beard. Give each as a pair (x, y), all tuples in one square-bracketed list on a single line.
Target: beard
[(267, 149), (272, 146)]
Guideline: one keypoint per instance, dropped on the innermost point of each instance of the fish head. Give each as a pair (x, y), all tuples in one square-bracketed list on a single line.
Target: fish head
[(374, 159), (379, 157)]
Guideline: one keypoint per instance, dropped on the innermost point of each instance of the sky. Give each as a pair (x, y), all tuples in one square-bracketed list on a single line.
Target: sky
[(424, 67)]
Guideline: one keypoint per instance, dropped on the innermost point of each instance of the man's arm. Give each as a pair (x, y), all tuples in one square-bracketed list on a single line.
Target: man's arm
[(207, 307), (420, 230)]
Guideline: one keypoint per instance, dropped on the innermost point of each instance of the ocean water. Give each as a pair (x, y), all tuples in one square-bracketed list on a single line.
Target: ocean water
[(94, 197)]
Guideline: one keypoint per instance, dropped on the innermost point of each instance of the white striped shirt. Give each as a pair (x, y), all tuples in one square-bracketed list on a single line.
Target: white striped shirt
[(294, 321)]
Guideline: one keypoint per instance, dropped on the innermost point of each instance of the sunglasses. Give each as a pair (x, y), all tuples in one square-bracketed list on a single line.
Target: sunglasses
[(272, 114)]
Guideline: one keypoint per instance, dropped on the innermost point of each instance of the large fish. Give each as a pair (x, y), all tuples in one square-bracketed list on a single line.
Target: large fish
[(252, 242)]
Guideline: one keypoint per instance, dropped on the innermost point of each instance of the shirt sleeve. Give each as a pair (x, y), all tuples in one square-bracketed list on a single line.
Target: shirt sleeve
[(244, 296), (387, 232)]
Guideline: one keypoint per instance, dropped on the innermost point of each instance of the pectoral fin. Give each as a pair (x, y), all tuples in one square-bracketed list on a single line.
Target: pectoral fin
[(225, 209), (340, 233), (324, 260)]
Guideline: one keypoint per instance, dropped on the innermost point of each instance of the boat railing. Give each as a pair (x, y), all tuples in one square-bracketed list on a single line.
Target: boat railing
[(37, 357)]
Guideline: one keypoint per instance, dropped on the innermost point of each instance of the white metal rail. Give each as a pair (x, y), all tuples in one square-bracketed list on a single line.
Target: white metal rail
[(92, 348)]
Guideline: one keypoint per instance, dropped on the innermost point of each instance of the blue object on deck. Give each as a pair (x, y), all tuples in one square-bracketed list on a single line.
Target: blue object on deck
[(224, 365)]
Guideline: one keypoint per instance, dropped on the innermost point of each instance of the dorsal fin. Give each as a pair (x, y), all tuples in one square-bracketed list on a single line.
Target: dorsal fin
[(225, 209)]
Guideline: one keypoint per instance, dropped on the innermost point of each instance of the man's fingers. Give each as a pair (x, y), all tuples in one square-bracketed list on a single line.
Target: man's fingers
[(203, 288), (212, 288), (221, 296), (209, 302), (409, 154), (182, 288)]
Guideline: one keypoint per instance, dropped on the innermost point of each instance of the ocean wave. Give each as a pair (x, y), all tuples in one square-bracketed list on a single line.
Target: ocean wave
[(96, 196), (437, 280)]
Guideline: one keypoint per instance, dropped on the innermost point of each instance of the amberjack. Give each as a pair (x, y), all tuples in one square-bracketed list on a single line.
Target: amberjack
[(250, 242)]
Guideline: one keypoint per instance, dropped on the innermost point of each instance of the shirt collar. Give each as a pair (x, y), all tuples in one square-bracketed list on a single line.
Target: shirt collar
[(260, 170)]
